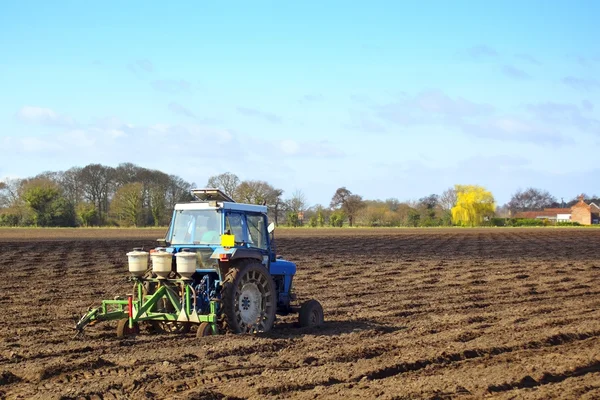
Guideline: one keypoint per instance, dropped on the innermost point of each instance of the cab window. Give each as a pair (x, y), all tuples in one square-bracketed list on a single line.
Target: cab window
[(258, 231), (236, 225), (196, 227)]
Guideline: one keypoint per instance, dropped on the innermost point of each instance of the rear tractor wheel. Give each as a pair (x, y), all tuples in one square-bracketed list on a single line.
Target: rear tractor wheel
[(248, 299), (311, 314)]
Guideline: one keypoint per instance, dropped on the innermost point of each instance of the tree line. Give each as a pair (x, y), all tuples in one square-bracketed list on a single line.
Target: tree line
[(95, 195), (129, 195)]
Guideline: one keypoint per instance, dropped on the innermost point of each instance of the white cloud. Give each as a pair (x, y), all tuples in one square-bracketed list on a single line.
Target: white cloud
[(587, 105), (529, 58), (181, 110), (584, 60), (108, 123), (145, 65), (510, 128), (37, 145), (581, 84), (141, 67), (363, 122), (545, 123), (43, 116), (307, 149), (290, 147), (361, 99), (79, 138), (479, 52), (436, 101), (253, 112), (431, 107), (159, 129), (211, 135), (111, 137), (567, 115), (515, 73), (311, 98), (172, 86)]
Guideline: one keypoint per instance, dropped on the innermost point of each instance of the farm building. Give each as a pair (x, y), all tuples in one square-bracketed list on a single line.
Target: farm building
[(585, 214)]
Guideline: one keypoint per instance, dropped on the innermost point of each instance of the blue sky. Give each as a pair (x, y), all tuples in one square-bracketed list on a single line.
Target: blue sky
[(390, 99)]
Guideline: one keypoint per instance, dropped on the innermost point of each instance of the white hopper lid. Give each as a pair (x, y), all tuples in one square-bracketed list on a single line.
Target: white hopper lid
[(137, 253)]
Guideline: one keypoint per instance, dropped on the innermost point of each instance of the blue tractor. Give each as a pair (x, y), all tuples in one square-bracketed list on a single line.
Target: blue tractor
[(216, 268)]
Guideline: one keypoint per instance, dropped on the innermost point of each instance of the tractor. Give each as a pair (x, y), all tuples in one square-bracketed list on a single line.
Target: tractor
[(216, 269)]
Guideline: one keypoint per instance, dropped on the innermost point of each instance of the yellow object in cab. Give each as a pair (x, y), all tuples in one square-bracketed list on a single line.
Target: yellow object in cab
[(227, 240)]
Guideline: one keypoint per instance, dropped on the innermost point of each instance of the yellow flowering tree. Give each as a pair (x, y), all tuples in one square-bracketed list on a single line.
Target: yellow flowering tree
[(473, 205)]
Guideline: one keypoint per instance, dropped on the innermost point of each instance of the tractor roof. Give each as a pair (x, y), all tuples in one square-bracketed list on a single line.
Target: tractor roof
[(211, 194), (216, 199)]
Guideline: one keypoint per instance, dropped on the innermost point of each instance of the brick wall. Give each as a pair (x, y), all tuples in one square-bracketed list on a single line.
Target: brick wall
[(581, 213)]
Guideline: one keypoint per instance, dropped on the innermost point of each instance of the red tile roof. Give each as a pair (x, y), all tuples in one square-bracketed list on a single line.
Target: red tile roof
[(558, 210), (552, 212), (538, 214)]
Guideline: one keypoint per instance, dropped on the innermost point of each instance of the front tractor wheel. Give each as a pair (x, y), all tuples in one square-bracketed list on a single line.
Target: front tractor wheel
[(248, 299), (311, 314)]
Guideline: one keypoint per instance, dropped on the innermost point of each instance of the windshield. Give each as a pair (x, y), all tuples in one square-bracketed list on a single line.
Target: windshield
[(196, 227)]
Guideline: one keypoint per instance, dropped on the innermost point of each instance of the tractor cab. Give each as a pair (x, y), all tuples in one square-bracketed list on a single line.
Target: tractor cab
[(215, 223), (203, 222)]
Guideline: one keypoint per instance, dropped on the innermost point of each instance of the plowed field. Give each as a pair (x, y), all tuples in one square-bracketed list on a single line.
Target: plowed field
[(430, 314)]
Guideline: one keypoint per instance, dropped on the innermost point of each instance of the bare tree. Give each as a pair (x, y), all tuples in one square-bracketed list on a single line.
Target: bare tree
[(49, 176), (392, 203), (227, 182), (297, 203), (349, 203), (97, 182), (530, 199), (257, 192), (9, 192), (586, 198), (295, 207), (353, 204), (126, 173), (448, 199), (429, 202), (503, 211), (178, 190), (339, 197), (429, 210), (70, 181), (154, 188), (260, 192)]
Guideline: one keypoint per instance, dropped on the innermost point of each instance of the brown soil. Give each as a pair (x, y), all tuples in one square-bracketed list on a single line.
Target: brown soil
[(409, 314)]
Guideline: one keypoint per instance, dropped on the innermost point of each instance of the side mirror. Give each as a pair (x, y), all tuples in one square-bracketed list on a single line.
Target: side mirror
[(272, 253), (161, 242)]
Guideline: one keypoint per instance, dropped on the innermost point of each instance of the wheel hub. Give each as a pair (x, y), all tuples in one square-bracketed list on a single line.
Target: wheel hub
[(246, 303), (314, 317), (250, 300)]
